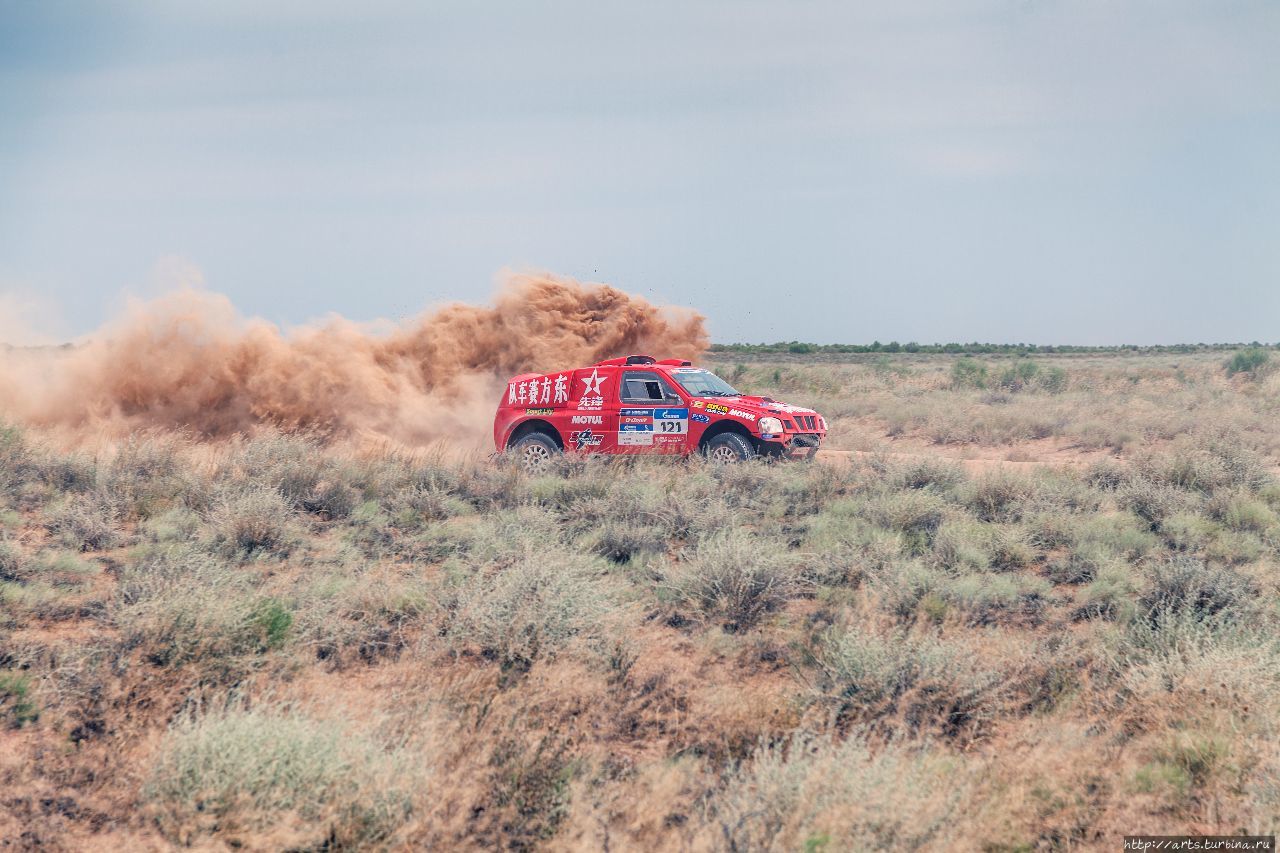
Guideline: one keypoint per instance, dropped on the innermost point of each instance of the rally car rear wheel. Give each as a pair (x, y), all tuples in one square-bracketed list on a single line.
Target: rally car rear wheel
[(729, 447), (535, 451)]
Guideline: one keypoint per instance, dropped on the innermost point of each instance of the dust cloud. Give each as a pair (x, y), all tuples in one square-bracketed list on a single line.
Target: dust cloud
[(190, 361)]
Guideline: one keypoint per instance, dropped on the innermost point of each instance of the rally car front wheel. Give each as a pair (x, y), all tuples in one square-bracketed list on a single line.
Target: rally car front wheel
[(729, 447), (535, 451)]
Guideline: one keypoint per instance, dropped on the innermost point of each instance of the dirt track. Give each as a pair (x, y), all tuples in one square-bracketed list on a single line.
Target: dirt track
[(969, 464)]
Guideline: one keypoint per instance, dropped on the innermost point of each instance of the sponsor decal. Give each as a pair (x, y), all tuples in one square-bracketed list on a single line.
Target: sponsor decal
[(539, 411), (633, 439), (597, 420), (533, 392), (592, 399), (687, 370), (586, 438), (701, 418), (673, 422), (717, 409), (767, 435), (667, 439), (698, 404)]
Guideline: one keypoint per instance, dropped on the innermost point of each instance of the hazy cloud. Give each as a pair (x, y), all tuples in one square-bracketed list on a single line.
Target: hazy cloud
[(937, 170)]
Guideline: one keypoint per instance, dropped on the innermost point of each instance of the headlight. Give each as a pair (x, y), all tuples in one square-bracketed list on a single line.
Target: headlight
[(770, 426), (822, 422)]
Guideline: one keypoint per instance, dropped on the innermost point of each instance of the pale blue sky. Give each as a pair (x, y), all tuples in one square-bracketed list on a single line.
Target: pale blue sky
[(1056, 172)]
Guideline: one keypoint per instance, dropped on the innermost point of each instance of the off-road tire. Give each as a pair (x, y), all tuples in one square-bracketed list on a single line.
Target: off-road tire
[(535, 451), (728, 447)]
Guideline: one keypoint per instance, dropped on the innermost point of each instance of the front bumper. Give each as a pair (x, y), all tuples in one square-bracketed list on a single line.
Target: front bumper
[(802, 446)]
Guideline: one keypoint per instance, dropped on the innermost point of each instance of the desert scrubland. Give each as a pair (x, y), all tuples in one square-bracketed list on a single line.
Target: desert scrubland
[(1022, 604)]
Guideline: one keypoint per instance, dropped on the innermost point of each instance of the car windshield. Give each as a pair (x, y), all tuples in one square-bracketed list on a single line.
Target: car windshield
[(702, 383)]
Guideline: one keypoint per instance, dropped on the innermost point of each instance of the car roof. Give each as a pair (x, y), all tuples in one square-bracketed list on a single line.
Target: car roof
[(642, 361)]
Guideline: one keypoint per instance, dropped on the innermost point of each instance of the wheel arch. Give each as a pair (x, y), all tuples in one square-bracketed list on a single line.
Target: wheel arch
[(720, 428), (534, 425)]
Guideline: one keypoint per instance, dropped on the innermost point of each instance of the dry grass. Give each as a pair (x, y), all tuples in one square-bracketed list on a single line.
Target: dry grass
[(270, 643)]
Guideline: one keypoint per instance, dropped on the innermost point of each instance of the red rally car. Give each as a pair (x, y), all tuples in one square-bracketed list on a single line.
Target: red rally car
[(635, 404)]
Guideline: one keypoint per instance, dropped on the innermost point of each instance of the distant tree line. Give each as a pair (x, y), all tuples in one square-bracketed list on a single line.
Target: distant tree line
[(803, 348)]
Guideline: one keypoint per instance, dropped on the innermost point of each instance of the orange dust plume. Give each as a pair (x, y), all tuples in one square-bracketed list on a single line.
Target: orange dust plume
[(189, 360)]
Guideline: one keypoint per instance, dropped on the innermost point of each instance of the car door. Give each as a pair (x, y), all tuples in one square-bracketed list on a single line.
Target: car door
[(591, 416), (652, 417)]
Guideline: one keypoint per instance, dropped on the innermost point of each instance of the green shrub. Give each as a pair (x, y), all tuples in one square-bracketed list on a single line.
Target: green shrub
[(1208, 464), (16, 706), (735, 578), (968, 373), (331, 499), (1188, 531), (1120, 535), (426, 503), (863, 669), (1108, 596), (1171, 636), (182, 606), (178, 524), (1080, 566), (839, 549), (148, 475), (813, 794), (530, 608), (270, 620), (901, 586), (1183, 584), (1241, 512), (922, 473), (1052, 380), (1248, 361), (927, 683), (1019, 375), (987, 599), (1184, 766), (999, 496), (916, 515), (1011, 549), (1152, 501), (12, 561), (251, 521), (619, 540), (1235, 548), (17, 459), (291, 464), (962, 546), (86, 523), (1107, 475), (72, 474), (246, 775)]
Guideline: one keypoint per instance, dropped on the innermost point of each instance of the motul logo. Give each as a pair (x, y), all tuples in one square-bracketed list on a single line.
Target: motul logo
[(588, 419)]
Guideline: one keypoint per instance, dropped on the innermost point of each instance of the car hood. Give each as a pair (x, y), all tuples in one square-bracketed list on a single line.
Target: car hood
[(759, 405)]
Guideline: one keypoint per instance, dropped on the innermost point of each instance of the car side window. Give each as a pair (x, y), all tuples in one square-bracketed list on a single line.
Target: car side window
[(646, 387)]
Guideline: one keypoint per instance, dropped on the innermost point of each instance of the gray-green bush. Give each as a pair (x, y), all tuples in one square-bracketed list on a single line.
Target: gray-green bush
[(275, 773), (735, 578)]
